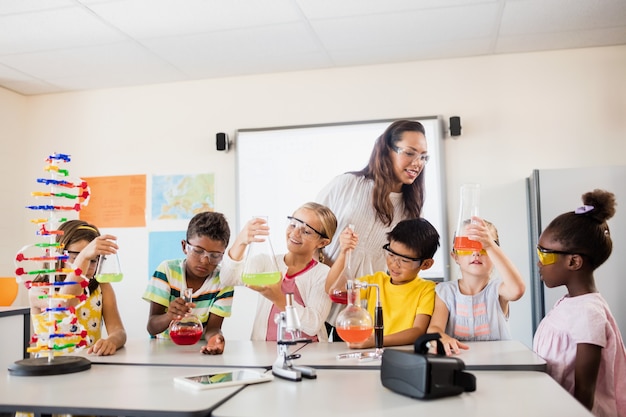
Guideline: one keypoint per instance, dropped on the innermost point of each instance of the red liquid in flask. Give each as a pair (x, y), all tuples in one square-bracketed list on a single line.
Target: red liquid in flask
[(339, 297), (186, 335)]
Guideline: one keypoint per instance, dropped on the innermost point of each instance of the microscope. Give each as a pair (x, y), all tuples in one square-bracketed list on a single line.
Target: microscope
[(288, 323)]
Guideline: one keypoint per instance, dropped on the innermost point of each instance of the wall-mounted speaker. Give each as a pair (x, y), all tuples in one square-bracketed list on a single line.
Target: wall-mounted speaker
[(221, 142), (455, 126)]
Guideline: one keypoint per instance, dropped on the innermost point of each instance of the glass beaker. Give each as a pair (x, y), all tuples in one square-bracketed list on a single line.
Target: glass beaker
[(354, 323), (187, 330), (260, 267), (470, 199), (109, 269)]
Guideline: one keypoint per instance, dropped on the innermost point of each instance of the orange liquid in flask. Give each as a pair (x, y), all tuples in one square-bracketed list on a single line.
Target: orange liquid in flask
[(463, 242), (355, 334)]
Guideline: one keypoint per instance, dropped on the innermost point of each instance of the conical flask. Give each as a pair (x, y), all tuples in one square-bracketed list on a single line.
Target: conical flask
[(260, 267), (109, 269), (338, 293), (354, 323), (470, 198), (187, 330)]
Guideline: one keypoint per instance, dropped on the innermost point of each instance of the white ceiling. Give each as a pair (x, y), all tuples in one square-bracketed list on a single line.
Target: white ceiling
[(49, 46)]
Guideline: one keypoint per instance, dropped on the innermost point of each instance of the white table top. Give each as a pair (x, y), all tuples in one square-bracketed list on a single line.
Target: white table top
[(135, 382), (360, 393), (110, 390), (496, 355), (146, 351)]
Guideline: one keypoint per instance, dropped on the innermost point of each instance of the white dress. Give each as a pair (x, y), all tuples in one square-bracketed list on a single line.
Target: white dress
[(350, 199)]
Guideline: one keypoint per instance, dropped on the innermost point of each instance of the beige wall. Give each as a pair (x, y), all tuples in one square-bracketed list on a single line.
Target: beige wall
[(13, 110), (519, 112)]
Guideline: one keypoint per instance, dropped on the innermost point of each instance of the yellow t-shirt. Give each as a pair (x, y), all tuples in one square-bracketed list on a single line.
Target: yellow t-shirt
[(400, 303)]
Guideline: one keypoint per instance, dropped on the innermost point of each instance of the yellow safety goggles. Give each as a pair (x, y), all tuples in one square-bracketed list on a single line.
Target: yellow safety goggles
[(549, 256), (468, 252)]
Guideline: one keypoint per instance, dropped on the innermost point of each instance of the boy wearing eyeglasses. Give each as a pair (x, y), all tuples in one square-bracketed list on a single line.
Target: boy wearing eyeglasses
[(407, 300), (476, 307), (208, 235)]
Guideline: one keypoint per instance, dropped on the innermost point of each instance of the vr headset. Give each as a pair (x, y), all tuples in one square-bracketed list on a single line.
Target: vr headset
[(423, 375)]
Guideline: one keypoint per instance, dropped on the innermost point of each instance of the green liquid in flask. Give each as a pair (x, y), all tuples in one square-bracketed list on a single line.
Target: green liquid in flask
[(261, 278), (109, 277)]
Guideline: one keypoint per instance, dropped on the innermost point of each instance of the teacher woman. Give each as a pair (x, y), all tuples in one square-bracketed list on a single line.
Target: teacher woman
[(389, 189)]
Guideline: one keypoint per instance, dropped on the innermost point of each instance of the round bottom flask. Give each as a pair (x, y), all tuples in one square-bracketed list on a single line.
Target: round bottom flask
[(187, 330), (354, 324)]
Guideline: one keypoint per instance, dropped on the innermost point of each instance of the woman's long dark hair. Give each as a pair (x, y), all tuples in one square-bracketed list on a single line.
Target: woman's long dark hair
[(380, 170)]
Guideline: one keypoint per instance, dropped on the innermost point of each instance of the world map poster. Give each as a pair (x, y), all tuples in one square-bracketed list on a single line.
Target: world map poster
[(180, 197)]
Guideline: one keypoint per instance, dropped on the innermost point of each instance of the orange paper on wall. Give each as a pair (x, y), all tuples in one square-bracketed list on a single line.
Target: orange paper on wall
[(116, 201)]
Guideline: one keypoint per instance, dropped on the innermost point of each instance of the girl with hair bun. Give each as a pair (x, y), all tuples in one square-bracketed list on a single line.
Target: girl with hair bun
[(579, 338)]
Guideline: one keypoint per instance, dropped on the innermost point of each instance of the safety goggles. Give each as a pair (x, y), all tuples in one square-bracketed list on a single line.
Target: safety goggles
[(462, 252), (403, 261), (549, 256), (214, 257), (306, 231)]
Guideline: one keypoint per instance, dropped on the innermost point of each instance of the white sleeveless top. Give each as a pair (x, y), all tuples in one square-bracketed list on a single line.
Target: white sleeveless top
[(474, 317)]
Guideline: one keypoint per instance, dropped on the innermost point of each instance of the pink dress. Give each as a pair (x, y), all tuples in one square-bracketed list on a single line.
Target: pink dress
[(585, 319)]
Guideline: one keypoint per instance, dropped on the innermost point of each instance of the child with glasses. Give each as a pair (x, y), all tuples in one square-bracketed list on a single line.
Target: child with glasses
[(83, 244), (309, 229), (476, 307), (207, 237), (579, 338), (407, 300)]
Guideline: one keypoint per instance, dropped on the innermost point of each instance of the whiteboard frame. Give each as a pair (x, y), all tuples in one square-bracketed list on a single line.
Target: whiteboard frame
[(289, 165)]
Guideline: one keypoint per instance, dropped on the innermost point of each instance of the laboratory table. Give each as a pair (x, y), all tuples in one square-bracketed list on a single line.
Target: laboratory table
[(111, 390), (138, 381), (497, 355), (150, 351), (341, 392)]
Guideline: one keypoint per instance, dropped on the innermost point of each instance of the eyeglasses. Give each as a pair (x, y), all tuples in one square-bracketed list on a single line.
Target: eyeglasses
[(411, 155), (548, 256), (71, 257), (402, 261), (306, 231), (213, 257), (461, 252)]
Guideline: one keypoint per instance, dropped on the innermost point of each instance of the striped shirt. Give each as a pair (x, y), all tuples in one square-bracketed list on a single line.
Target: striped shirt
[(168, 283)]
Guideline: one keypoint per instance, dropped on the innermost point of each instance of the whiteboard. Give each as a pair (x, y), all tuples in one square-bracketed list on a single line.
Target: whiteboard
[(279, 169)]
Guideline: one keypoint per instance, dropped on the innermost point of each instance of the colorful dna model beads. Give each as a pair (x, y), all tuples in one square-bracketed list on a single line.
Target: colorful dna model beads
[(41, 266)]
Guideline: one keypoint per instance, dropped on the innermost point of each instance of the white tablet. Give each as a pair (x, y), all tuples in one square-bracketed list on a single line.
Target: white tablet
[(223, 379)]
